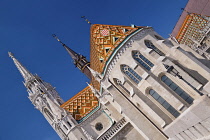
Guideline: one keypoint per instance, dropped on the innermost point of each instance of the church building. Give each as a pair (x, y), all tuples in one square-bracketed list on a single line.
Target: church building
[(193, 27), (142, 87)]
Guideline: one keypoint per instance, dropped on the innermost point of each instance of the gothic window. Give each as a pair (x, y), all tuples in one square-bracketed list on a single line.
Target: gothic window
[(59, 101), (142, 60), (29, 88), (177, 89), (41, 91), (69, 123), (164, 103), (65, 127), (48, 113), (130, 73), (150, 45), (158, 37)]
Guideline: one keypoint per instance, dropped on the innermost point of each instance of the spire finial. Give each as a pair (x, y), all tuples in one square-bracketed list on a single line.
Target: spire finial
[(86, 20), (54, 35), (11, 54), (72, 53)]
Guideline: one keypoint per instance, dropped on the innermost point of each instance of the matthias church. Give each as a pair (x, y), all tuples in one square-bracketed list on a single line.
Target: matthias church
[(142, 87)]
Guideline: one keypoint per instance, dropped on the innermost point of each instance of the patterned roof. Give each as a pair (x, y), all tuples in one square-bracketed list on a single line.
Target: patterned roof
[(104, 39), (191, 28), (193, 6), (81, 104)]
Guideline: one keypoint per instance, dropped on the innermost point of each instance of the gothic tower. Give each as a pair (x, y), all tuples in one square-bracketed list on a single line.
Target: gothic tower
[(80, 61), (46, 99)]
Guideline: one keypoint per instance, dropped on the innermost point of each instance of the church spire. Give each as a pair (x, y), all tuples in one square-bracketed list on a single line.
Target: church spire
[(79, 60), (24, 72), (72, 53)]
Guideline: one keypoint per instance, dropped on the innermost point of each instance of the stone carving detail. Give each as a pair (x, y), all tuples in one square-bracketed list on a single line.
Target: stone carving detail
[(108, 135), (121, 135), (89, 137), (129, 44)]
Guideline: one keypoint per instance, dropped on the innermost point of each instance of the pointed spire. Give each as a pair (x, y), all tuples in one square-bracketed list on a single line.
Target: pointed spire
[(24, 72), (72, 53), (79, 60)]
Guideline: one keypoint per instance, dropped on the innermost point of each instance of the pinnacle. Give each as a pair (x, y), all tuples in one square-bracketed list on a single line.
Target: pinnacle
[(11, 54)]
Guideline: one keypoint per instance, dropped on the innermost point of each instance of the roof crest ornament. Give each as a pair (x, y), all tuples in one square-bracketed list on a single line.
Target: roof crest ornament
[(86, 20), (54, 35), (72, 53)]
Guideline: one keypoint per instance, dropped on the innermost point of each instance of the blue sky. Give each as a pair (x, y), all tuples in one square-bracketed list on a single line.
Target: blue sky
[(25, 29)]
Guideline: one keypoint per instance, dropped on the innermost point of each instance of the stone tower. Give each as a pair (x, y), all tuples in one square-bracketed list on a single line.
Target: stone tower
[(46, 99)]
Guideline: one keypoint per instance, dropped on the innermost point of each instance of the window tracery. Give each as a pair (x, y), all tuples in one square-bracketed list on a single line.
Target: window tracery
[(177, 89), (131, 73), (48, 113), (150, 45), (142, 60), (164, 103)]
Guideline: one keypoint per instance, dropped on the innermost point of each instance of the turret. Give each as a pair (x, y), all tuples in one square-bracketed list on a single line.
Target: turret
[(80, 61), (46, 99)]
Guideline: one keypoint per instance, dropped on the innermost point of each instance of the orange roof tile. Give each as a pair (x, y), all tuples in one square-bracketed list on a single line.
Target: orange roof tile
[(81, 104), (190, 28), (104, 39)]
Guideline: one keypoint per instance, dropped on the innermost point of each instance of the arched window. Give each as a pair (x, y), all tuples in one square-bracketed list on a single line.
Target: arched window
[(130, 73), (150, 45), (48, 113), (158, 37), (177, 89), (164, 103), (142, 60)]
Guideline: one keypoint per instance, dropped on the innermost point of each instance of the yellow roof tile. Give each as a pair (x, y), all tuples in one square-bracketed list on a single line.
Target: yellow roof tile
[(81, 104)]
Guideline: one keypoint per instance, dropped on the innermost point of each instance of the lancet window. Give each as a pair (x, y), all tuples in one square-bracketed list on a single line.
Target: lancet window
[(130, 73), (150, 45), (177, 89), (48, 113), (142, 60), (164, 103)]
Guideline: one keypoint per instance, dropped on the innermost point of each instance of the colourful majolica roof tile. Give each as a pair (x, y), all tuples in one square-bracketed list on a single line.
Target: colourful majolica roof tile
[(81, 104), (104, 39)]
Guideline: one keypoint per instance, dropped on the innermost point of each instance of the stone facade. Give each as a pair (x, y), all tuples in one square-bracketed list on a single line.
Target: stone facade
[(151, 88), (193, 27)]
